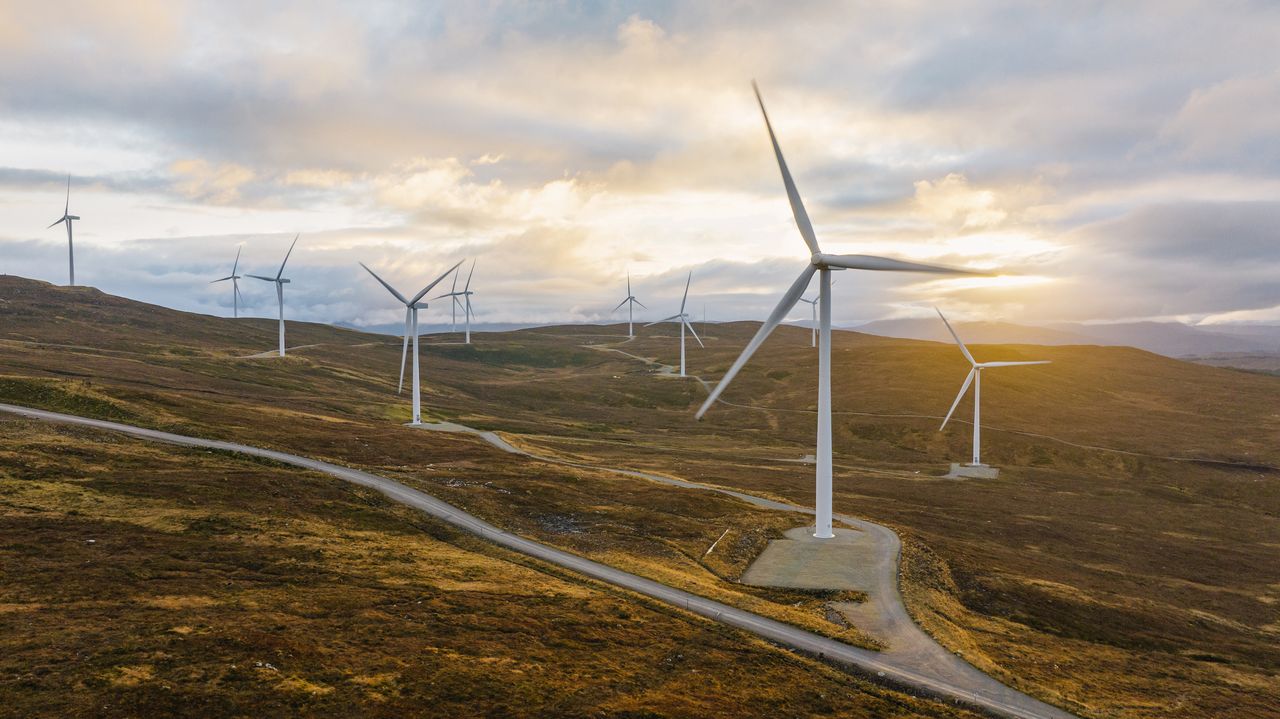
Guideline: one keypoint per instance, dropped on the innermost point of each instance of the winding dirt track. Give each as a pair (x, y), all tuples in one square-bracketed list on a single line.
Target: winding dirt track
[(914, 660)]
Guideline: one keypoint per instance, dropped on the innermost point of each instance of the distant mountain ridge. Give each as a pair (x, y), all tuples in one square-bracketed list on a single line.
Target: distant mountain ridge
[(1172, 339)]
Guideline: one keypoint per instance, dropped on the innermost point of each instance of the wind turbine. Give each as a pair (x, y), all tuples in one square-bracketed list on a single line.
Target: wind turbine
[(411, 327), (813, 327), (974, 377), (630, 302), (683, 318), (235, 285), (822, 264), (465, 302), (68, 218), (280, 283)]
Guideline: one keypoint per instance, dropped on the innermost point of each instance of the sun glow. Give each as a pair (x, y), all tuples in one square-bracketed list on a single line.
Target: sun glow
[(995, 282)]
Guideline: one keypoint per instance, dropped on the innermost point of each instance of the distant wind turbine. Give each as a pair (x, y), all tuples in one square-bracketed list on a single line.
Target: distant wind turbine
[(683, 319), (464, 303), (68, 218), (235, 285), (630, 302), (974, 377), (411, 328), (822, 264), (280, 283), (813, 327)]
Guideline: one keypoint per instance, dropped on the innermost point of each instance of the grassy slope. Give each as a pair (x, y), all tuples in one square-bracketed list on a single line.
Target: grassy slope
[(146, 580), (1135, 586)]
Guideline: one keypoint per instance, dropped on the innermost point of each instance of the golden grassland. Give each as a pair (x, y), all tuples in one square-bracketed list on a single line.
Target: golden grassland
[(1132, 585), (149, 580)]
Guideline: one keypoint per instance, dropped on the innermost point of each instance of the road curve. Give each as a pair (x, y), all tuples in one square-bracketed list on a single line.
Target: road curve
[(974, 689)]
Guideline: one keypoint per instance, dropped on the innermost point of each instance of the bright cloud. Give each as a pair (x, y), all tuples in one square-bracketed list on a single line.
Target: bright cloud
[(1114, 160)]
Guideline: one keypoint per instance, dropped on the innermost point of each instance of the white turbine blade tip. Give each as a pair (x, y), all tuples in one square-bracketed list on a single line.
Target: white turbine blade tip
[(963, 349), (793, 195)]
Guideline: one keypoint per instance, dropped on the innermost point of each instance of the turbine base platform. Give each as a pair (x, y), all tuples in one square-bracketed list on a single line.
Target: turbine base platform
[(972, 471), (802, 561)]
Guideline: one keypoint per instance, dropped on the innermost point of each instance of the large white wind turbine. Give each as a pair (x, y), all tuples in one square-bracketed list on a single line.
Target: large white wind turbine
[(822, 264), (235, 285), (68, 218), (630, 302), (411, 328), (464, 302), (974, 377), (280, 283), (683, 319)]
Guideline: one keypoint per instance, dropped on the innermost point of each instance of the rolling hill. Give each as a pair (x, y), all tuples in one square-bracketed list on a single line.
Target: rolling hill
[(1124, 557), (1172, 339)]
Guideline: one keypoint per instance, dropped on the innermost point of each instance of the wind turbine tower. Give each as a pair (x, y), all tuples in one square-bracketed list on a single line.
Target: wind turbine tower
[(823, 265), (411, 308), (813, 327), (464, 302), (683, 319), (630, 302), (280, 282), (235, 285), (975, 468), (68, 218)]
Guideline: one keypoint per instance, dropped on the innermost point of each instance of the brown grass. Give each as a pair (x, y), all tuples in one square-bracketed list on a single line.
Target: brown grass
[(274, 592), (1135, 585)]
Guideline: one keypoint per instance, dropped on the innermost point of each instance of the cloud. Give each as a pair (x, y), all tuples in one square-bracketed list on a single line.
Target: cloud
[(218, 184), (1230, 124), (1120, 152), (951, 201)]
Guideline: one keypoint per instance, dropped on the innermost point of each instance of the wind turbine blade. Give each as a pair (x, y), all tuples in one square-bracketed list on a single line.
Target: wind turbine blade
[(793, 195), (434, 282), (237, 262), (472, 272), (888, 264), (404, 348), (685, 299), (67, 209), (383, 282), (260, 277), (639, 302), (963, 388), (963, 349), (1011, 364), (695, 334), (224, 279), (628, 284), (664, 319), (784, 306), (59, 222), (620, 304), (286, 256)]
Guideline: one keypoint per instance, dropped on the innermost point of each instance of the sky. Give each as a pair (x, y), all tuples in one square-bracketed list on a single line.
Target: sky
[(1107, 161)]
